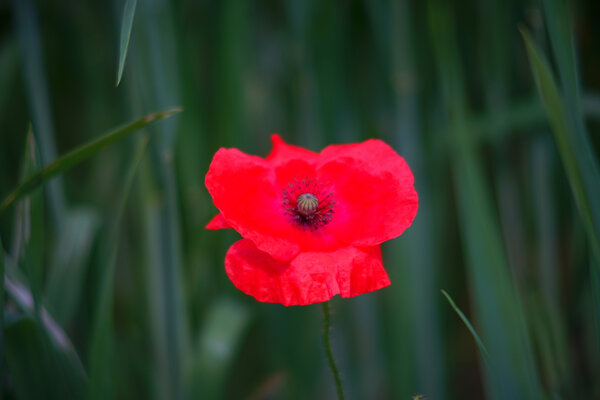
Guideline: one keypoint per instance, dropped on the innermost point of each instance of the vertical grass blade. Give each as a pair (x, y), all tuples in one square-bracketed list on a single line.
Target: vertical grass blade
[(548, 312), (165, 301), (102, 354), (230, 108), (27, 29), (573, 146), (157, 55), (546, 222), (558, 22), (9, 70), (126, 25), (418, 282), (31, 224), (68, 264), (513, 373), (215, 349), (1, 306), (595, 289)]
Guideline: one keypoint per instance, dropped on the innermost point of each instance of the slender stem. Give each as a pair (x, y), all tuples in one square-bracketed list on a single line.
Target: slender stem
[(327, 343)]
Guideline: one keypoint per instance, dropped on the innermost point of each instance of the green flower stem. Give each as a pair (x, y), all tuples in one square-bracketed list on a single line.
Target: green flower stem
[(327, 343)]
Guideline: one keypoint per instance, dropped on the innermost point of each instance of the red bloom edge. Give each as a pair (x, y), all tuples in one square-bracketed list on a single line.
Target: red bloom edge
[(310, 277)]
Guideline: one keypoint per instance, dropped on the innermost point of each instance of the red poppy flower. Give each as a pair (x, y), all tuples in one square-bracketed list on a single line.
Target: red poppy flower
[(312, 222)]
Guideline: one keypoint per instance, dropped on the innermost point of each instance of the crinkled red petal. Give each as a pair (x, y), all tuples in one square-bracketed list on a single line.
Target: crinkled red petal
[(373, 189), (311, 277), (218, 222), (248, 192)]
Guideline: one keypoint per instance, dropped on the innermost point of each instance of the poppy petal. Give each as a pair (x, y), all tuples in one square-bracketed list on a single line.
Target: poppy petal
[(248, 193), (373, 154), (375, 201), (218, 222), (283, 152), (311, 277), (243, 189)]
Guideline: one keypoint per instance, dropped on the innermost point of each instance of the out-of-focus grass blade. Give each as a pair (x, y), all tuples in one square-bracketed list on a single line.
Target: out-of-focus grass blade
[(1, 304), (38, 369), (520, 117), (9, 70), (101, 350), (482, 349), (126, 24), (156, 52), (542, 177), (516, 117), (546, 311), (551, 344), (211, 358), (574, 148), (162, 258), (30, 43), (590, 105), (232, 34), (66, 358), (80, 154), (595, 289), (31, 217), (558, 22), (512, 372), (68, 263), (415, 350)]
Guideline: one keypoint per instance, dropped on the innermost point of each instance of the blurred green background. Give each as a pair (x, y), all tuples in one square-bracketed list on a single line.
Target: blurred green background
[(114, 289)]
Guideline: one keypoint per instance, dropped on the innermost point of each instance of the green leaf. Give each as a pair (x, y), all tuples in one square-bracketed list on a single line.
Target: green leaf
[(80, 154), (482, 349), (126, 24), (574, 148)]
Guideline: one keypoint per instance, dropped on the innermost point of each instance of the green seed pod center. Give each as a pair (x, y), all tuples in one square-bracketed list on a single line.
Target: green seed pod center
[(307, 204)]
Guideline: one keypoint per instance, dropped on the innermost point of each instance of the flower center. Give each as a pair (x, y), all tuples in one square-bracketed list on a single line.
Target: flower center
[(308, 204)]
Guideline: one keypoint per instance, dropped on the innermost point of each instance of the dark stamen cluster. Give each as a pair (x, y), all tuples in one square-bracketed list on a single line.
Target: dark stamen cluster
[(308, 203)]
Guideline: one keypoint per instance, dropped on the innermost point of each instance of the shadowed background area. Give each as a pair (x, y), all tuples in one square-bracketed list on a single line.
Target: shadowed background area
[(114, 289)]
